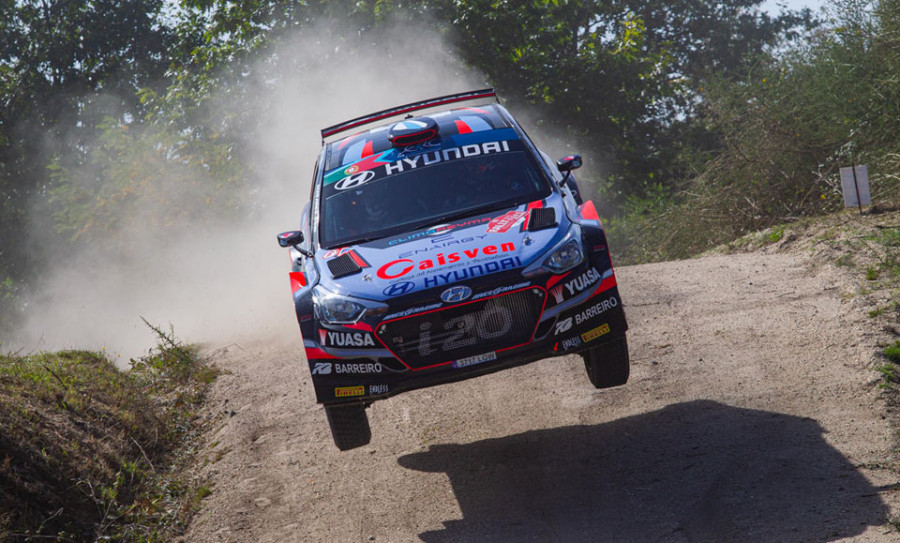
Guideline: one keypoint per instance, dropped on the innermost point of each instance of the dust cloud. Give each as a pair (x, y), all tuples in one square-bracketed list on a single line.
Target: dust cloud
[(217, 282)]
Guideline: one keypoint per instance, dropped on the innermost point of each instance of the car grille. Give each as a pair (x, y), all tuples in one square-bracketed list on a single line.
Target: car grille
[(464, 330)]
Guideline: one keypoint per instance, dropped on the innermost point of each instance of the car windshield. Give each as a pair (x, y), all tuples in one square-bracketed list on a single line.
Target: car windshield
[(426, 196)]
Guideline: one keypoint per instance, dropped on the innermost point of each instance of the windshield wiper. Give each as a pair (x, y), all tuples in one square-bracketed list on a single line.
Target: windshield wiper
[(460, 215), (357, 241)]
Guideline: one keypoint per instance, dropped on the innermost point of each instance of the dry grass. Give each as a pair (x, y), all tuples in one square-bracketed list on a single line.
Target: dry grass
[(89, 452)]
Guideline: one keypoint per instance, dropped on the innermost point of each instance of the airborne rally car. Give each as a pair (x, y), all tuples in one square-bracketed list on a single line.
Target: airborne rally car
[(445, 246)]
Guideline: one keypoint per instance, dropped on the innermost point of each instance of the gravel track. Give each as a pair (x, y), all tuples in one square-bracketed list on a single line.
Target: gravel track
[(752, 414)]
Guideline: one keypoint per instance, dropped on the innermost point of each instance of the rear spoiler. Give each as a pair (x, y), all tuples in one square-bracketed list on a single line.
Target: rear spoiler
[(399, 110)]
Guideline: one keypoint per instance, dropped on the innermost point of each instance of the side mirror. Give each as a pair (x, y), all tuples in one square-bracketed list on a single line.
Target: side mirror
[(291, 238), (569, 163)]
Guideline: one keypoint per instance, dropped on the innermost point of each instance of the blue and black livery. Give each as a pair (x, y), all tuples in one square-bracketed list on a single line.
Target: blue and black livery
[(441, 247)]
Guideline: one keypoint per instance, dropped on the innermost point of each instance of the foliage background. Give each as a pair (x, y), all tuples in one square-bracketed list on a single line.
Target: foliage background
[(148, 151)]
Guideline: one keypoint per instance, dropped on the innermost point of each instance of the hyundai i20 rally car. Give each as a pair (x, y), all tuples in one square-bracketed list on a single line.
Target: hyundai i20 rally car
[(441, 247)]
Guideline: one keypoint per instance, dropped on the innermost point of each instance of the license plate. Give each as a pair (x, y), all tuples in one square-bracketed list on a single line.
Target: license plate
[(472, 360)]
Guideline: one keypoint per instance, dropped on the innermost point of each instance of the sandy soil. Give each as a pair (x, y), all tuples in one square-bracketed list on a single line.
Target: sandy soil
[(752, 414)]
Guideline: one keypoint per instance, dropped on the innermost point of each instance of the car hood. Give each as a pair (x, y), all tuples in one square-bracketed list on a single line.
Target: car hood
[(482, 245)]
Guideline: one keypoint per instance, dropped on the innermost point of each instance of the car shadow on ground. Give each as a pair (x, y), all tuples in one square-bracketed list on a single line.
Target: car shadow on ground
[(696, 471)]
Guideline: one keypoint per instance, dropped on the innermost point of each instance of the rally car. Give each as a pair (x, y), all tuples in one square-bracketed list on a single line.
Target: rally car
[(442, 246)]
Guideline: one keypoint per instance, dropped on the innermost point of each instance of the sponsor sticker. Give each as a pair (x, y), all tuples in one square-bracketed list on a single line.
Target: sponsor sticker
[(378, 389), (472, 360), (403, 266), (322, 368), (334, 253), (330, 338), (563, 326), (357, 367), (557, 293), (344, 392), (439, 230), (412, 311), (583, 281), (596, 310), (500, 290), (504, 223), (591, 335), (327, 368), (571, 343)]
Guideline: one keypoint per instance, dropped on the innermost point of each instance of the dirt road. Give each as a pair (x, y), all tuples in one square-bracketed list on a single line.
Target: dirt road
[(751, 415)]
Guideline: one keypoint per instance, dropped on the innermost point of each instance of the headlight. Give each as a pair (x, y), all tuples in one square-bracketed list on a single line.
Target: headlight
[(566, 257), (336, 309)]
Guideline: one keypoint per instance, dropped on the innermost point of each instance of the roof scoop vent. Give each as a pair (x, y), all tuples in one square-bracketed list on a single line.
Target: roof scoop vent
[(413, 131)]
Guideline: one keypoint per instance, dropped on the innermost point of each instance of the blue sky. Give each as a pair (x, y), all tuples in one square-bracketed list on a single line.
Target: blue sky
[(772, 5)]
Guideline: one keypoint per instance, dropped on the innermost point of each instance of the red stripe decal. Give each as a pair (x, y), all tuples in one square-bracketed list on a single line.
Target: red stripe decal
[(367, 149), (360, 326), (360, 261), (588, 211), (314, 353), (556, 279), (533, 205), (462, 127), (605, 285), (298, 280), (346, 140)]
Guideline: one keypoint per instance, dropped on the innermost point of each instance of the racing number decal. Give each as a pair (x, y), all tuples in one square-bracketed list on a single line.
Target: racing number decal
[(466, 330)]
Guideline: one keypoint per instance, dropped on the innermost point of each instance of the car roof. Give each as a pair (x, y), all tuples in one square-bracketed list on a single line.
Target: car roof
[(351, 149)]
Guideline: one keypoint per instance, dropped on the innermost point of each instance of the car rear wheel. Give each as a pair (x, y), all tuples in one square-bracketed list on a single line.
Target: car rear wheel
[(608, 365), (349, 425)]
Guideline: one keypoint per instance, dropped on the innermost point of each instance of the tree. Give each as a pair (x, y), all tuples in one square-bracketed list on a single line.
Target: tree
[(64, 66), (618, 79)]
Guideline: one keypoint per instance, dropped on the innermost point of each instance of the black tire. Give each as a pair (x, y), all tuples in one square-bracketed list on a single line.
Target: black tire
[(608, 365), (349, 425)]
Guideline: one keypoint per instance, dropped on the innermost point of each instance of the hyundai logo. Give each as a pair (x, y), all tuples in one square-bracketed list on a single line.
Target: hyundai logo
[(399, 289), (456, 294)]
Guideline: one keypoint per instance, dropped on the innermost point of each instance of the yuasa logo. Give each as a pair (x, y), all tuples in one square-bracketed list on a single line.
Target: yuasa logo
[(347, 339), (583, 281)]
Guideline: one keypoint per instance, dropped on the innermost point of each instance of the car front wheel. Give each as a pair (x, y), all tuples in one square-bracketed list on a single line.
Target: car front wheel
[(608, 365), (349, 425)]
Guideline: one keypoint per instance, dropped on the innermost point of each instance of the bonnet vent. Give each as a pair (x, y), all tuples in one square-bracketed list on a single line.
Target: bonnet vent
[(541, 218), (343, 265)]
